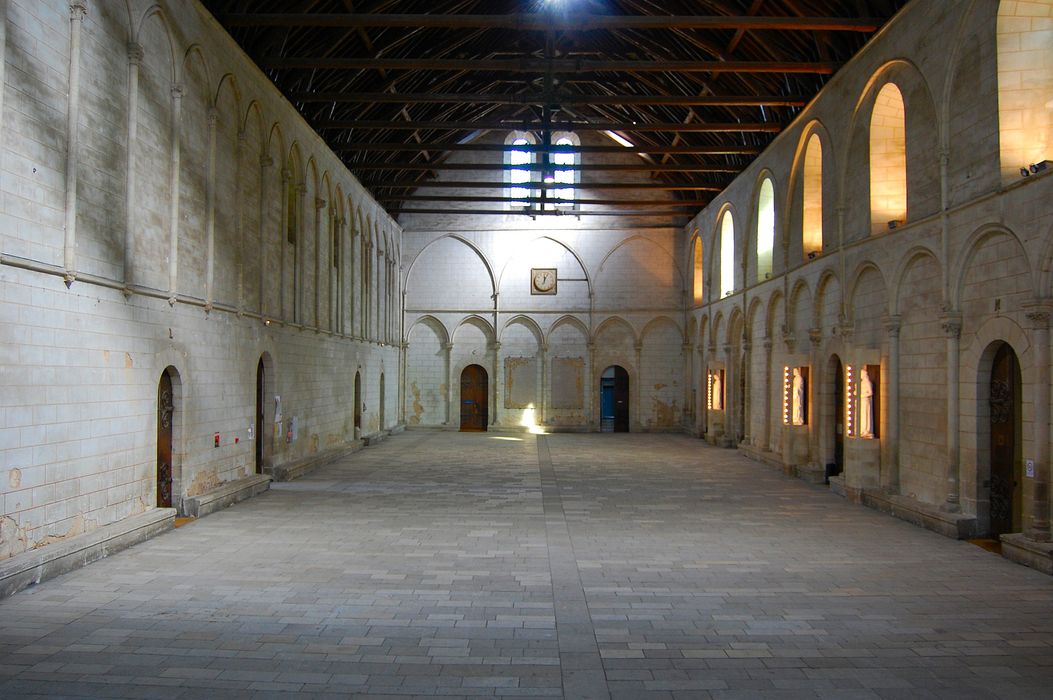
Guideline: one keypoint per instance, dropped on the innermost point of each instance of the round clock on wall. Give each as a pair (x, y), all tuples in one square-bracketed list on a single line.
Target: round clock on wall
[(543, 280)]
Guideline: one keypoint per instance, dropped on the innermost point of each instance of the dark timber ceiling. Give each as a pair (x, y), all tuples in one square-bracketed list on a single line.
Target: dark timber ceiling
[(396, 87)]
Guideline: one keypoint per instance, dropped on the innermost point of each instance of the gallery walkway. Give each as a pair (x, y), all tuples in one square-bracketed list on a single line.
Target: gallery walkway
[(579, 565)]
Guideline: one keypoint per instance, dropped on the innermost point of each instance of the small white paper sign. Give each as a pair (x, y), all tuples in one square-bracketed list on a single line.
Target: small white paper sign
[(1029, 468)]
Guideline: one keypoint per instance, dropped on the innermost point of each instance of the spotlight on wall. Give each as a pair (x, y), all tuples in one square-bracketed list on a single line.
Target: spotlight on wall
[(812, 254), (1040, 166), (1024, 172), (894, 224)]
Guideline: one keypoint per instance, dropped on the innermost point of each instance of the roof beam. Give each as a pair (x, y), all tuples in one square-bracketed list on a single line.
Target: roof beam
[(700, 127), (560, 99), (542, 148), (544, 167), (651, 213), (490, 184), (694, 204), (544, 21), (557, 65)]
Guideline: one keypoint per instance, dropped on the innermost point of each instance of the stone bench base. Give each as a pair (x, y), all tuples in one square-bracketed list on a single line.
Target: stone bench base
[(955, 525), (37, 565), (1037, 555), (225, 495), (294, 470)]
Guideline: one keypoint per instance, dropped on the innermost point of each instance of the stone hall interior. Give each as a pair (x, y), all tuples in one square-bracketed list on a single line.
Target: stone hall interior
[(560, 348)]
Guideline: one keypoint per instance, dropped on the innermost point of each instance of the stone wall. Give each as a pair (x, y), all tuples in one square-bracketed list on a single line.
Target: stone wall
[(927, 299), (619, 299), (166, 208)]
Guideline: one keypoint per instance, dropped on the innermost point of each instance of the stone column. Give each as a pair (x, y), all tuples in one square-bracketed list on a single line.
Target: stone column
[(403, 348), (447, 354), (266, 162), (747, 406), (299, 258), (239, 219), (539, 414), (210, 210), (1038, 527), (815, 338), (952, 327), (689, 379), (173, 187), (77, 10), (766, 439), (341, 280), (3, 63), (135, 59), (634, 406), (701, 381), (283, 242), (319, 205), (890, 475), (590, 384), (493, 385), (730, 407)]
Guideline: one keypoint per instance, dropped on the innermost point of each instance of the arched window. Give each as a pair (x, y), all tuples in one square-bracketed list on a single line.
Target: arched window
[(561, 174), (888, 160), (812, 195), (727, 254), (519, 178), (696, 258), (1025, 86), (765, 228)]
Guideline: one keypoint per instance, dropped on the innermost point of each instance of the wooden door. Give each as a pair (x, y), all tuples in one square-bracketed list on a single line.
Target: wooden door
[(358, 405), (474, 404), (260, 383), (165, 414), (621, 400), (1005, 419)]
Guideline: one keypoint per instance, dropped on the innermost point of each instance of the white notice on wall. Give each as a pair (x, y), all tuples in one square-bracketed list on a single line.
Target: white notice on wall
[(1029, 468)]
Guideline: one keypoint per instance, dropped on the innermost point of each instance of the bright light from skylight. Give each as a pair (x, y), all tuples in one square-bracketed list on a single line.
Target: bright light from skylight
[(620, 140)]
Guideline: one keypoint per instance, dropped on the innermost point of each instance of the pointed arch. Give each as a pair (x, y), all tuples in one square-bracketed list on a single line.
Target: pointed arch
[(905, 263)]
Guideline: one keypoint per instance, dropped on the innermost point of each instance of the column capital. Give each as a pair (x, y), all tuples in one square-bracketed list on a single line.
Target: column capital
[(135, 53), (892, 324), (177, 91), (301, 189), (727, 349), (1037, 314), (768, 343), (701, 350), (320, 203), (815, 336), (78, 9), (951, 323), (447, 347), (686, 348), (212, 117)]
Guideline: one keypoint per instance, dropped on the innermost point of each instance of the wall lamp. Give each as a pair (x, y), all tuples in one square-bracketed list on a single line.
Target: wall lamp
[(894, 224), (1039, 166)]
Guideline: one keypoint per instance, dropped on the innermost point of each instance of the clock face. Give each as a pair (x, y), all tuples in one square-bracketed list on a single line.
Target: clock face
[(543, 280)]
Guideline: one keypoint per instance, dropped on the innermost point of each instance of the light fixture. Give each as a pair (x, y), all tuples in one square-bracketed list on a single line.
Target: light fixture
[(812, 254), (1040, 166), (1024, 172), (892, 225), (786, 395), (849, 407)]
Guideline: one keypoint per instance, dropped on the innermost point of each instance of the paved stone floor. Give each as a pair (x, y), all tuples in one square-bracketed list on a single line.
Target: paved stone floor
[(629, 566)]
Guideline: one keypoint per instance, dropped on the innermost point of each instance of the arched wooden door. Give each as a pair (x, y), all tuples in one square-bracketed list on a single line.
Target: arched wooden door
[(165, 419), (474, 402), (261, 383), (1006, 479), (358, 405)]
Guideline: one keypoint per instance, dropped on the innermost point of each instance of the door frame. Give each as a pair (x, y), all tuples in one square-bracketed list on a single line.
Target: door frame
[(176, 419), (485, 394)]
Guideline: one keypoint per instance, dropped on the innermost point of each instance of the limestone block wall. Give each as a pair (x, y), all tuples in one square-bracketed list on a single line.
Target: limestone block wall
[(926, 302), (619, 299), (165, 211)]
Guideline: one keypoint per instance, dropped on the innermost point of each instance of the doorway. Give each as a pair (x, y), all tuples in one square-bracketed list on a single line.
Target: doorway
[(1005, 424), (165, 429), (474, 404), (261, 384), (614, 400), (382, 401), (358, 406)]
